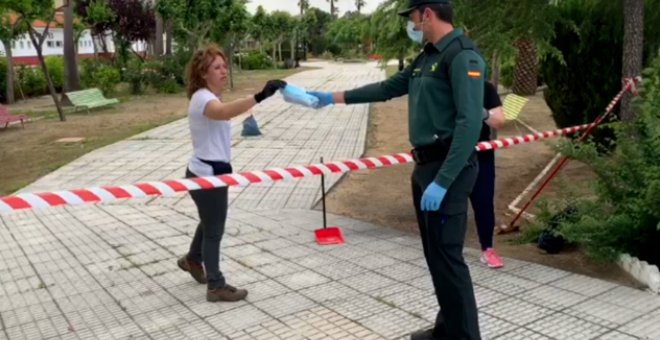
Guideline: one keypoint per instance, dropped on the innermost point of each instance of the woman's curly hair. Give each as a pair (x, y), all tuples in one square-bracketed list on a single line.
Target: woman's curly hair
[(199, 65)]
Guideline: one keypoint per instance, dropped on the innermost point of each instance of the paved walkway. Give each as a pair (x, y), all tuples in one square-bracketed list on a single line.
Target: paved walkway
[(109, 272), (292, 135)]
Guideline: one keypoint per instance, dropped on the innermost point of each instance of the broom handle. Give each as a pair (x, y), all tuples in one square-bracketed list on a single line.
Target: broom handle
[(323, 195)]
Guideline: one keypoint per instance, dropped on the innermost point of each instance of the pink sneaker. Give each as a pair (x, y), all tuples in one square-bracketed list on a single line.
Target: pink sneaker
[(490, 258)]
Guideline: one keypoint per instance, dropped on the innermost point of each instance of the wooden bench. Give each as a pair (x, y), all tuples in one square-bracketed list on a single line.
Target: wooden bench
[(6, 118), (88, 99)]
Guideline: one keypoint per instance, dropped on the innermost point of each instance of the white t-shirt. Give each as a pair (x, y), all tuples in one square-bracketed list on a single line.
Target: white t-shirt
[(211, 139)]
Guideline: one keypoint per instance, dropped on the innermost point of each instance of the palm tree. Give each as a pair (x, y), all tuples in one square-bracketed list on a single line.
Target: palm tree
[(359, 4), (525, 73), (333, 9), (304, 5), (160, 26), (633, 48), (72, 78)]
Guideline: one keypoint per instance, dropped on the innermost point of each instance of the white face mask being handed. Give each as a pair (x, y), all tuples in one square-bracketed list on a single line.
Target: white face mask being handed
[(416, 36)]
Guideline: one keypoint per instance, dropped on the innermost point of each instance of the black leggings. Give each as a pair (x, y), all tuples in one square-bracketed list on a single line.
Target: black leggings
[(205, 247), (482, 199)]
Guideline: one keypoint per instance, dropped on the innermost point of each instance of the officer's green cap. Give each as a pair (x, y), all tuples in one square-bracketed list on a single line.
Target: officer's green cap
[(412, 4)]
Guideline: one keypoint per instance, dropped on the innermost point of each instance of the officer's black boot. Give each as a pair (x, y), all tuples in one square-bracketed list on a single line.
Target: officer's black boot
[(428, 334)]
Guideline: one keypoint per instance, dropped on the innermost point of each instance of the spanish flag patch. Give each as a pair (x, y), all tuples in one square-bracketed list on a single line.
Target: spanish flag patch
[(474, 74)]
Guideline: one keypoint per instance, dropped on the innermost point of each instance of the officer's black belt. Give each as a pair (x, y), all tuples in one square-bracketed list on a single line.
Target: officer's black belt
[(431, 153)]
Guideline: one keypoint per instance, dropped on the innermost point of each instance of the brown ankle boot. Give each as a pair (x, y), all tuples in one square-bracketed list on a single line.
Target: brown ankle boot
[(195, 269), (226, 293)]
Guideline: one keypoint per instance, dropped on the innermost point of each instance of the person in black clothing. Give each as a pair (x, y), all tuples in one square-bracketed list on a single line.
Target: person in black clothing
[(484, 189)]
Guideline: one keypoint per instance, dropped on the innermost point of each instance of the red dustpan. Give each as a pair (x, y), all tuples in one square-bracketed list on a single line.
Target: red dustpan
[(327, 235)]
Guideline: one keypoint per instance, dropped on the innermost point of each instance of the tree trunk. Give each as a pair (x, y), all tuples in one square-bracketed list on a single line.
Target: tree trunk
[(104, 43), (402, 64), (71, 76), (279, 49), (229, 52), (10, 72), (525, 73), (495, 70), (633, 48), (38, 46), (274, 55), (168, 37), (158, 41)]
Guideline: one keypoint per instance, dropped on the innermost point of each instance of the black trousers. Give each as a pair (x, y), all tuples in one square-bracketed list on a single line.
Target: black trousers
[(443, 235), (205, 246), (482, 199)]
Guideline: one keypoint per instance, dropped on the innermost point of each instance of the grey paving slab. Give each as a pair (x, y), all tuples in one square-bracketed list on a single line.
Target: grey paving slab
[(562, 326), (644, 327)]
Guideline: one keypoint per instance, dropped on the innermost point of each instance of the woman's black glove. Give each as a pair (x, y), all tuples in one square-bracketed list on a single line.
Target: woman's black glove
[(271, 87)]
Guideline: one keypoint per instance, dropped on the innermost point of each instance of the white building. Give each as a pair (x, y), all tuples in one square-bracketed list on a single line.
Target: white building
[(24, 52)]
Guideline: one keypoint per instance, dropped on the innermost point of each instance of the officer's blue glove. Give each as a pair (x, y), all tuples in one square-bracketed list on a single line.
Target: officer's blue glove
[(432, 197), (325, 98)]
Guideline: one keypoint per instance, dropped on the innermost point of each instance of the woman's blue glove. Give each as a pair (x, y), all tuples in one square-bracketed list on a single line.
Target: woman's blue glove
[(432, 197), (325, 98)]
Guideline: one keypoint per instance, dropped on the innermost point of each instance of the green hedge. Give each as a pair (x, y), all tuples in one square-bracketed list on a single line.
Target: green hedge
[(56, 70), (256, 60), (624, 216), (30, 82)]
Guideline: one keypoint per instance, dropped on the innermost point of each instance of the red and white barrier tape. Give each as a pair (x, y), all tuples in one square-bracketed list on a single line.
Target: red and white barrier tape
[(629, 84), (507, 142), (171, 187)]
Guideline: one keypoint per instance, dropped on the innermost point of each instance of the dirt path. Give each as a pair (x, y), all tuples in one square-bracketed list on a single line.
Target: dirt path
[(383, 196)]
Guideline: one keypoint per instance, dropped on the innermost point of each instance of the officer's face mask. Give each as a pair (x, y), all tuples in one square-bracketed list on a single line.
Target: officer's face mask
[(416, 36)]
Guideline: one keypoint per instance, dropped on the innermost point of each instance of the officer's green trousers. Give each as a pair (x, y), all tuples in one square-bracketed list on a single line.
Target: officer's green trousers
[(443, 235)]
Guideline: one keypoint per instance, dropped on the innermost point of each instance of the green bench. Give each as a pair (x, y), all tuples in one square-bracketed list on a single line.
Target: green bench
[(88, 99)]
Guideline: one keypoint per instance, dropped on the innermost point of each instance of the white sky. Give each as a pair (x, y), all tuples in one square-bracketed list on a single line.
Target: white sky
[(292, 5)]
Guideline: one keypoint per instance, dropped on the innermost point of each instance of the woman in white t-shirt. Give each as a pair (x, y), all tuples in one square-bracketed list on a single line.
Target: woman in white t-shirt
[(210, 130)]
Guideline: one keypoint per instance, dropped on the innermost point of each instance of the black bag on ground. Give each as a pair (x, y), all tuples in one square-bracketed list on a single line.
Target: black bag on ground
[(548, 239)]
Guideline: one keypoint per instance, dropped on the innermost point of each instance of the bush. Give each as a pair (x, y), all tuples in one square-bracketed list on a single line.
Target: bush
[(335, 49), (31, 81), (327, 55), (88, 67), (160, 76), (134, 75), (256, 60), (106, 78), (56, 71), (580, 90), (624, 216), (169, 85), (99, 73), (175, 68), (179, 61)]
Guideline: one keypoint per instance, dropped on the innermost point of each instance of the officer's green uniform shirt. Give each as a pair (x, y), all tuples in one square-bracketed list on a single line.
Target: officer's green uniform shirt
[(441, 105)]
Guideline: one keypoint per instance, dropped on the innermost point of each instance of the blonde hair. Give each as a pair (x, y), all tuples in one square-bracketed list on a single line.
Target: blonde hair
[(199, 65)]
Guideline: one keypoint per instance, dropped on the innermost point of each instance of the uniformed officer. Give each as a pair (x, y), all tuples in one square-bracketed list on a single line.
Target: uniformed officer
[(445, 84)]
